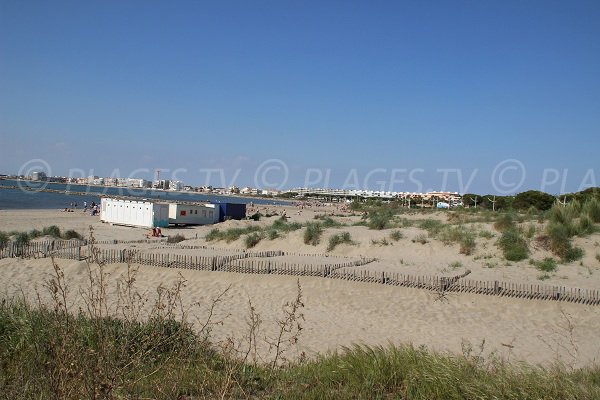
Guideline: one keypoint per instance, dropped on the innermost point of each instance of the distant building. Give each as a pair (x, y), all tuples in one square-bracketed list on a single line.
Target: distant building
[(38, 176), (176, 185)]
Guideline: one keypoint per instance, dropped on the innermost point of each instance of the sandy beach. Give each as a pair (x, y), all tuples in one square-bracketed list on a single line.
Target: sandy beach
[(340, 313)]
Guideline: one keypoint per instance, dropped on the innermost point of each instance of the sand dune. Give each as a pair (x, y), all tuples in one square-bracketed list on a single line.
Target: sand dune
[(340, 313)]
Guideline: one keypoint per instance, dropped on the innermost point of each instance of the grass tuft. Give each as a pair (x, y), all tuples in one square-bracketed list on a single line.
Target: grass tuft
[(175, 238), (339, 238), (312, 234), (513, 245)]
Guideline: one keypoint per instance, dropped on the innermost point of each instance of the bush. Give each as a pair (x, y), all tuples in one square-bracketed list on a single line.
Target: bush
[(283, 225), (312, 234), (513, 245), (4, 239), (467, 244), (548, 264), (591, 208), (272, 234), (421, 238), (585, 225), (486, 234), (22, 238), (340, 238), (252, 240), (455, 265), (52, 230), (573, 253), (396, 236), (380, 219), (34, 233), (504, 222), (171, 239), (71, 234), (433, 226), (533, 198), (213, 235)]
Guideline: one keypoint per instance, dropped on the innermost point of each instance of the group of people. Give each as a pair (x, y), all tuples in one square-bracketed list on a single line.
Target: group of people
[(154, 232), (93, 207)]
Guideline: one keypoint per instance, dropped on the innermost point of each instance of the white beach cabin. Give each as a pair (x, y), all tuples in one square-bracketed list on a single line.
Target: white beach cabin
[(142, 213), (196, 214)]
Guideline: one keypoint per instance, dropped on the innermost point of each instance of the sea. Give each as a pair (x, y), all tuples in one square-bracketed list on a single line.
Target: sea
[(27, 195)]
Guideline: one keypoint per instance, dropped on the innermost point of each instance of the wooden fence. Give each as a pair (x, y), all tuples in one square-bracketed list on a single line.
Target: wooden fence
[(243, 263)]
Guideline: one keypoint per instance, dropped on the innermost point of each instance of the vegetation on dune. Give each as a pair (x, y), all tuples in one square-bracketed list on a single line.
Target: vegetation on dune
[(52, 230), (396, 235), (4, 239), (43, 356), (175, 238), (533, 198), (339, 238), (231, 234), (548, 264), (252, 239), (312, 234), (513, 246)]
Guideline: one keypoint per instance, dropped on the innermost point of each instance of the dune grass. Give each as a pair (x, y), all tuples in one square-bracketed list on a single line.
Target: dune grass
[(312, 233), (161, 358), (513, 246), (338, 239)]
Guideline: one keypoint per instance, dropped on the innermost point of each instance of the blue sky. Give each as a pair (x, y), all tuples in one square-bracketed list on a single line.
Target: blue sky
[(383, 94)]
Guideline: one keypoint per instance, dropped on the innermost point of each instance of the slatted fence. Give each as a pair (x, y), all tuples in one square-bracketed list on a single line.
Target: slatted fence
[(243, 262)]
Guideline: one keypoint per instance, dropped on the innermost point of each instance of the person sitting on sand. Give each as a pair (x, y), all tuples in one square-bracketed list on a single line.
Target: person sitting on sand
[(158, 232), (152, 233)]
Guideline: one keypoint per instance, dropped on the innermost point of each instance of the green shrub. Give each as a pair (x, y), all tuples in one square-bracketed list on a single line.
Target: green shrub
[(252, 240), (467, 244), (34, 233), (455, 265), (585, 225), (22, 238), (396, 235), (272, 234), (4, 239), (548, 264), (530, 231), (71, 234), (171, 239), (283, 225), (513, 245), (380, 219), (213, 235), (433, 226), (421, 238), (233, 234), (486, 234), (312, 234), (504, 222), (573, 253), (591, 208), (52, 230), (339, 238)]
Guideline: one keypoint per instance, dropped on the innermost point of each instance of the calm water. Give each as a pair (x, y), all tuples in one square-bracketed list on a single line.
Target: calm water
[(14, 199)]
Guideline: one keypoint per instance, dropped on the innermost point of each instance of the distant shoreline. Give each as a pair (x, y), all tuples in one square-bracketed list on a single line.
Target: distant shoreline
[(126, 188)]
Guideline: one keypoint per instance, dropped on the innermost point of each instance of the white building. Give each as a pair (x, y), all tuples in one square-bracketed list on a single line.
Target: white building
[(145, 214), (176, 185), (197, 214)]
